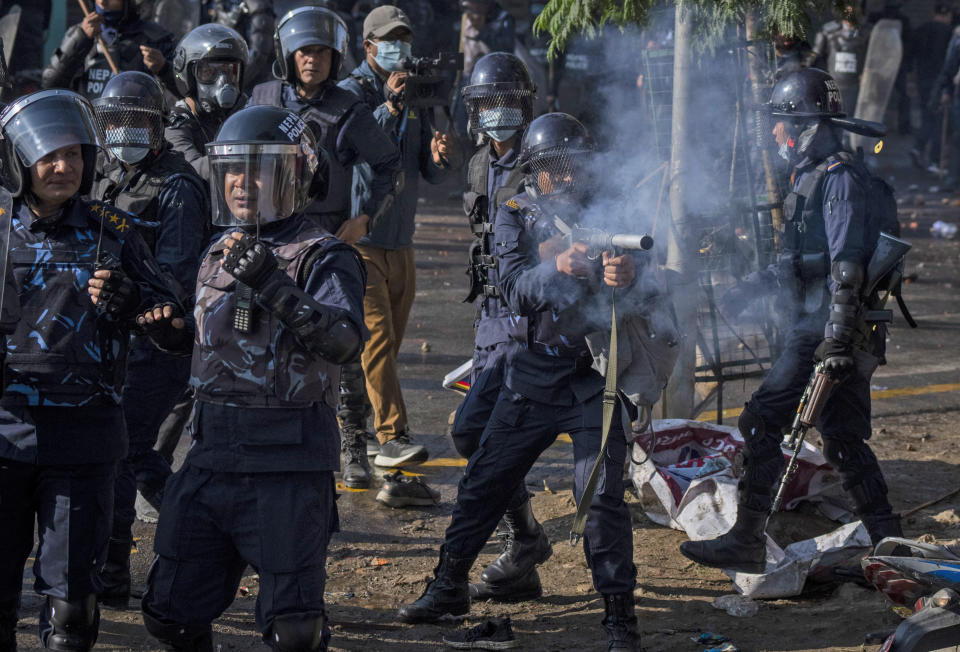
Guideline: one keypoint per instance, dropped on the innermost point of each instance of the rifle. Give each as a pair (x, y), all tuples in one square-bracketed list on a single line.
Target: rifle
[(814, 397)]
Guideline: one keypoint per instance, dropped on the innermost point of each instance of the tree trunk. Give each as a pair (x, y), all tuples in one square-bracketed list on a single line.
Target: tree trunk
[(678, 399)]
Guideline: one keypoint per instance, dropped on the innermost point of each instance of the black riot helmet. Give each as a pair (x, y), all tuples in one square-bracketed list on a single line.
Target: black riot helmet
[(554, 153), (208, 66), (40, 123), (130, 115), (807, 93), (264, 166), (303, 27), (499, 97)]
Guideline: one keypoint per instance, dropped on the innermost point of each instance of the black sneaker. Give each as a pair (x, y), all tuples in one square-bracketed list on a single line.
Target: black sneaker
[(492, 634), (401, 490), (400, 451)]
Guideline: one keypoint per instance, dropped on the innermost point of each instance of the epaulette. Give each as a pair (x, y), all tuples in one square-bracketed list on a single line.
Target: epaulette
[(121, 223), (834, 166), (512, 204)]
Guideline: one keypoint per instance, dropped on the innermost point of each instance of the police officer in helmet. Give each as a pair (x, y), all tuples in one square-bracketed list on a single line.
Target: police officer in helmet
[(257, 486), (209, 66), (148, 179), (830, 235), (78, 273), (549, 387), (309, 49), (133, 43), (499, 102)]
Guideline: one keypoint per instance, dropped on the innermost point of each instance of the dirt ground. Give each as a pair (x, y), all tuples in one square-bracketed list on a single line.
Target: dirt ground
[(383, 557)]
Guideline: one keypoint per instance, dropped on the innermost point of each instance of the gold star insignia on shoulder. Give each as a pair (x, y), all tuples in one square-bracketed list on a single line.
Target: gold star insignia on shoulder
[(512, 203), (123, 226)]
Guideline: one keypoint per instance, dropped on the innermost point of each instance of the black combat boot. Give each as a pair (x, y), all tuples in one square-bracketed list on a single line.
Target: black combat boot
[(742, 549), (523, 545), (446, 595), (115, 575), (527, 587), (620, 622), (356, 466)]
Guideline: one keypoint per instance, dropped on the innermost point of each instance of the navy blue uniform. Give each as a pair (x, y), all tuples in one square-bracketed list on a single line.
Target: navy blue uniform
[(257, 486), (496, 328), (549, 388), (61, 424), (837, 226)]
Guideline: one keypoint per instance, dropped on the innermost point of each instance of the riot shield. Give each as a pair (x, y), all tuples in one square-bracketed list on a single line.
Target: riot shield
[(879, 75), (178, 16)]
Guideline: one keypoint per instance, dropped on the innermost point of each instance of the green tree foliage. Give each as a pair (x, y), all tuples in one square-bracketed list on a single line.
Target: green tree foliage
[(564, 19)]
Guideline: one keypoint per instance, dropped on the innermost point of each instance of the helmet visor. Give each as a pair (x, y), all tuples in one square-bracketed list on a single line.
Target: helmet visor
[(498, 107), (44, 122), (560, 171), (129, 122), (208, 71), (254, 183)]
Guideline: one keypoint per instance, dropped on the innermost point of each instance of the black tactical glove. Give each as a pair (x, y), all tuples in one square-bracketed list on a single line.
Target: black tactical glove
[(119, 296), (250, 262), (162, 329), (836, 356)]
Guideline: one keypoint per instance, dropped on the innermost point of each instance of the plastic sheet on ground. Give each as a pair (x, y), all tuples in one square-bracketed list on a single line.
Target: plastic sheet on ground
[(689, 483)]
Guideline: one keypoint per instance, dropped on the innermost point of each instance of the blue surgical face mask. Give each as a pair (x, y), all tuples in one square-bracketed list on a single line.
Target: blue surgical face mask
[(493, 121), (109, 17), (391, 53)]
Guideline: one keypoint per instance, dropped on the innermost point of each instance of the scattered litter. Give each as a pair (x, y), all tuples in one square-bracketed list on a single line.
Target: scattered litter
[(243, 591), (934, 189), (910, 447), (877, 388), (546, 487), (339, 594), (379, 561), (727, 647), (737, 605), (945, 230), (708, 638), (425, 347)]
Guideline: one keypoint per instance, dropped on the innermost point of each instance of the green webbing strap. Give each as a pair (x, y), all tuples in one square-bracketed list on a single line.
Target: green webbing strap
[(609, 405)]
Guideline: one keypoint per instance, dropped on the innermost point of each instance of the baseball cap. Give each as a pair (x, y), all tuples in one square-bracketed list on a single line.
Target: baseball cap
[(383, 20)]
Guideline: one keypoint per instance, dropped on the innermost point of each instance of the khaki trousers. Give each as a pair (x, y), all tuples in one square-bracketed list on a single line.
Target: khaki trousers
[(391, 286)]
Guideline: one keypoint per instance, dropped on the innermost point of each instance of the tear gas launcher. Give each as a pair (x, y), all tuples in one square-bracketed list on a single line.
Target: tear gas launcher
[(598, 240)]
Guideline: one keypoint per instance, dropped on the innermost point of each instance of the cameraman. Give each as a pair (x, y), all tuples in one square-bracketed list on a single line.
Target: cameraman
[(387, 249)]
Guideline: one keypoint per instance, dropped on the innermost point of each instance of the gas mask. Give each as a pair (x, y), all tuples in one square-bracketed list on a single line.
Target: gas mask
[(391, 53), (217, 85), (127, 135), (493, 121)]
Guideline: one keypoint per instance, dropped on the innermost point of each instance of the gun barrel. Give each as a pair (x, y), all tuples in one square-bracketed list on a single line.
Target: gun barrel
[(642, 241)]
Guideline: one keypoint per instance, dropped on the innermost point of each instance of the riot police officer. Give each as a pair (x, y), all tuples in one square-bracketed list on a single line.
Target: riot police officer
[(499, 102), (549, 387), (831, 233), (133, 44), (840, 48), (310, 42), (209, 66), (147, 179), (254, 20), (257, 486), (81, 272)]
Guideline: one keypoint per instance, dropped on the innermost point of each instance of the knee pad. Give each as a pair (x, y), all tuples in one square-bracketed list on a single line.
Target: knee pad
[(70, 625), (466, 443), (303, 632), (182, 638), (763, 461)]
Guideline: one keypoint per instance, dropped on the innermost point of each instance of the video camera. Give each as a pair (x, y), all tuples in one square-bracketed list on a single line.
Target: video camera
[(430, 80)]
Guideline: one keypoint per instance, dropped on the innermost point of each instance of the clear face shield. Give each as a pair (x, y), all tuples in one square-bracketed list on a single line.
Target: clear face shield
[(255, 184), (218, 84), (43, 122)]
